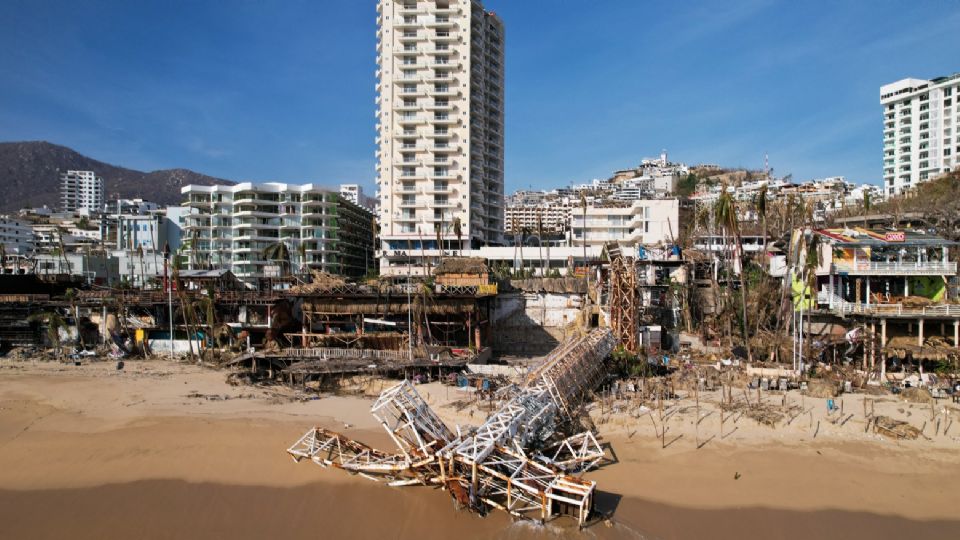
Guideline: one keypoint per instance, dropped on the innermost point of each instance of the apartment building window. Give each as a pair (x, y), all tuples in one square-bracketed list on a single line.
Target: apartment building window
[(409, 74), (442, 158), (410, 33), (409, 131), (408, 102), (408, 171), (440, 199), (409, 60), (443, 33), (442, 60), (409, 88), (409, 19), (409, 47), (440, 131), (440, 171), (441, 116), (408, 143), (443, 47), (441, 102), (441, 88), (409, 199), (408, 158)]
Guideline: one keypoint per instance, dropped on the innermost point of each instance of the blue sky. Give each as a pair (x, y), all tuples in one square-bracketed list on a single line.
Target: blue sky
[(255, 90)]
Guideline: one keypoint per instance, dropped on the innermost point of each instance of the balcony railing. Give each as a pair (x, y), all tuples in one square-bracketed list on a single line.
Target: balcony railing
[(897, 310), (933, 268)]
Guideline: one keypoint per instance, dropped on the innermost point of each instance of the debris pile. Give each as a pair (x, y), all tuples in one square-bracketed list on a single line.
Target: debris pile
[(519, 460), (895, 428)]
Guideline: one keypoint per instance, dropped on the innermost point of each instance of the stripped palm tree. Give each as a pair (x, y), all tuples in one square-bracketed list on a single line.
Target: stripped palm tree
[(540, 242), (302, 251), (458, 230), (726, 218), (54, 322), (279, 253), (143, 281)]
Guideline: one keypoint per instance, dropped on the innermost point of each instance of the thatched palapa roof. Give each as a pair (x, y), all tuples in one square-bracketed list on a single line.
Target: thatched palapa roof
[(462, 265)]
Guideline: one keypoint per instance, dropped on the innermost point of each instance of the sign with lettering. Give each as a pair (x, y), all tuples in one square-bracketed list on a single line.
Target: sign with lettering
[(895, 236)]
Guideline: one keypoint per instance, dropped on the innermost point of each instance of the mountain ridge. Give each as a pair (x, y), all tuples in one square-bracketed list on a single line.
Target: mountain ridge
[(29, 176)]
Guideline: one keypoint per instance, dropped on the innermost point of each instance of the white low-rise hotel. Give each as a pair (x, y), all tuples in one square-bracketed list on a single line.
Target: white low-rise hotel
[(234, 227), (644, 222)]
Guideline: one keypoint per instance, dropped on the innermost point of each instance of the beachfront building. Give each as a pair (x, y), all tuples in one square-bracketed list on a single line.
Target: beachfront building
[(440, 86), (920, 122), (81, 190), (246, 228), (632, 224), (895, 283)]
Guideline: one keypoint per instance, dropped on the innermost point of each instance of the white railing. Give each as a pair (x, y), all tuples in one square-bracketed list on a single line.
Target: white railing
[(913, 267), (897, 310)]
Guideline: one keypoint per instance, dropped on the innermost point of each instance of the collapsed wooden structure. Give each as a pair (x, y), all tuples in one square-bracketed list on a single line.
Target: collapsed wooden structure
[(519, 460)]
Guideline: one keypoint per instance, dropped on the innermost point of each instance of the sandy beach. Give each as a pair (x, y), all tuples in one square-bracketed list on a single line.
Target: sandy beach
[(166, 450)]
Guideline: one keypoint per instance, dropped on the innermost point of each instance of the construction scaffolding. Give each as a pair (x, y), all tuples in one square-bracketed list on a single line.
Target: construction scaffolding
[(624, 302), (519, 460)]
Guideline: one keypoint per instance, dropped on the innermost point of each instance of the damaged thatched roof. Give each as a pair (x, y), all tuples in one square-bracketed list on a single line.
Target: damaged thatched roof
[(551, 285), (462, 265)]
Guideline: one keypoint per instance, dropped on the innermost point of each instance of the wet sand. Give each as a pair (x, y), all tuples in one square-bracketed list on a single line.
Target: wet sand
[(89, 453)]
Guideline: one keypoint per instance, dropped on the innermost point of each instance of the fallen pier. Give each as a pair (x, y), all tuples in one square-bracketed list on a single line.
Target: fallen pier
[(519, 460)]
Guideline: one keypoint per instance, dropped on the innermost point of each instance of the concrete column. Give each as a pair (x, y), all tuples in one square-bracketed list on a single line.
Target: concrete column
[(906, 286), (883, 333), (956, 334), (873, 344), (920, 334), (868, 290)]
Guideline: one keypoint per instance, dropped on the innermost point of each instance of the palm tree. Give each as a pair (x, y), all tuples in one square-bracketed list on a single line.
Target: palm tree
[(54, 323), (540, 242), (726, 219), (761, 205), (866, 207), (71, 297), (302, 251), (279, 253), (583, 231), (458, 230), (143, 280), (811, 263), (516, 243)]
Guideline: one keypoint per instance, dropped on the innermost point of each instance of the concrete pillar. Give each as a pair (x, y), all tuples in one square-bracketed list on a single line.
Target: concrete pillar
[(906, 286), (956, 334), (920, 334), (873, 344), (868, 291), (883, 333)]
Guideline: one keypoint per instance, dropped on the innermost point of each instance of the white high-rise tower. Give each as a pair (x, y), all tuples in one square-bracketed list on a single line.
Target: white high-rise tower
[(440, 129), (920, 139)]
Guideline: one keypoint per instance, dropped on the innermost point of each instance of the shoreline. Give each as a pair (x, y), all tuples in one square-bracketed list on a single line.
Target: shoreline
[(179, 509)]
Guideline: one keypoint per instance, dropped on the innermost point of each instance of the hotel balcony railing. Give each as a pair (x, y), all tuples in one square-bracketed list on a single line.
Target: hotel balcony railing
[(914, 268)]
